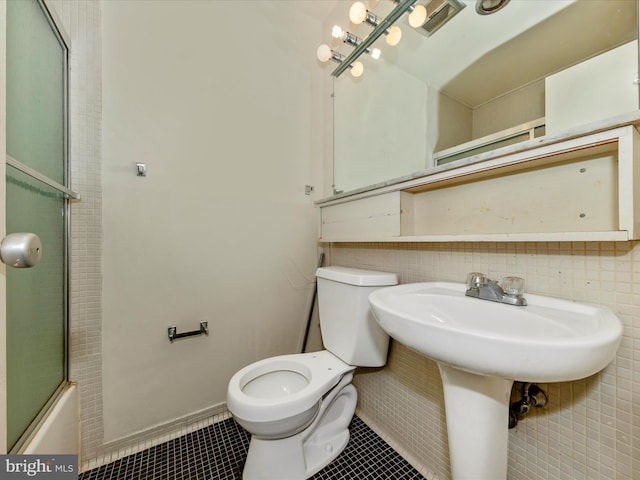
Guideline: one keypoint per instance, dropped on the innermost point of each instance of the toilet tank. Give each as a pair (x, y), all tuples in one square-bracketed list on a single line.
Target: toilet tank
[(348, 327)]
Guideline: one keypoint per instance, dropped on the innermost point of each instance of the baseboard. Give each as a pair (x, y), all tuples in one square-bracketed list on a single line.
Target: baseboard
[(156, 435)]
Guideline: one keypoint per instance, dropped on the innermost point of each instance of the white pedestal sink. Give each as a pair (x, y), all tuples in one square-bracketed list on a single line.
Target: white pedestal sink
[(481, 347)]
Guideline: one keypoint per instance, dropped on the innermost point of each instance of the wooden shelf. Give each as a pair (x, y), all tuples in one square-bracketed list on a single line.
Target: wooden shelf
[(581, 189)]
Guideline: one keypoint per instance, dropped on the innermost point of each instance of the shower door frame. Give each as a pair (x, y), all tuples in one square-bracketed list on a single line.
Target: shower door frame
[(65, 44)]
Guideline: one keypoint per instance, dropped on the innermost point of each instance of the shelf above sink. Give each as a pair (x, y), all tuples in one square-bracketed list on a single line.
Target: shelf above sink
[(583, 188)]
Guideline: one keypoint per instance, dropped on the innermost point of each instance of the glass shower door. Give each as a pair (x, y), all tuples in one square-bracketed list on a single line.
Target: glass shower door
[(36, 165)]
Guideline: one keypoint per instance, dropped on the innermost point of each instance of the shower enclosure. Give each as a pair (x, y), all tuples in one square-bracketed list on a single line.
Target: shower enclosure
[(37, 201)]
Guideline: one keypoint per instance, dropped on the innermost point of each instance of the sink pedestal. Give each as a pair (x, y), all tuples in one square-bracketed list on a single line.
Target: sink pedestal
[(549, 340), (477, 410)]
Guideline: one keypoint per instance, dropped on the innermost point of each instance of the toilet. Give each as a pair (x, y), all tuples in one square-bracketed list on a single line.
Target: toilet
[(298, 407)]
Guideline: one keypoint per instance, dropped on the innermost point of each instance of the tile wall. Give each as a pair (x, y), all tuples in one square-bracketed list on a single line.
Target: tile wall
[(591, 427), (81, 20)]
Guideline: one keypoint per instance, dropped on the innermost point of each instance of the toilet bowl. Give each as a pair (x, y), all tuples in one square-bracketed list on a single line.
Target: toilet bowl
[(280, 396), (298, 407)]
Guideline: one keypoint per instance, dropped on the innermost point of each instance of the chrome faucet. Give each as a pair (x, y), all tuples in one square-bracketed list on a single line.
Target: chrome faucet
[(511, 291)]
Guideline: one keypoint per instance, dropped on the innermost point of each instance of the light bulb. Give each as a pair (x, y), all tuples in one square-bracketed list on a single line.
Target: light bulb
[(356, 69), (394, 35), (323, 53), (418, 16), (357, 13), (337, 32), (375, 53)]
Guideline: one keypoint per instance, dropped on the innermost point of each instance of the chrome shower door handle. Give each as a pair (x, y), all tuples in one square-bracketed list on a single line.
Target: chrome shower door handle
[(21, 250)]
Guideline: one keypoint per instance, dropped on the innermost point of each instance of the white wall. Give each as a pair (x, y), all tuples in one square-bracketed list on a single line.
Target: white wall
[(222, 101), (380, 126), (598, 88), (509, 110), (450, 123)]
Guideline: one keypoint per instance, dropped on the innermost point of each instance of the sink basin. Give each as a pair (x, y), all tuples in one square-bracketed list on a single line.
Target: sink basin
[(481, 347), (549, 340)]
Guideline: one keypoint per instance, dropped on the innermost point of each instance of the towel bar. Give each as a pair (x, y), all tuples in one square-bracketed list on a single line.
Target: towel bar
[(173, 331)]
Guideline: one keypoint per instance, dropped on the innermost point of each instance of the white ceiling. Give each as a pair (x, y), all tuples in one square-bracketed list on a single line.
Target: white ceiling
[(568, 35), (320, 9)]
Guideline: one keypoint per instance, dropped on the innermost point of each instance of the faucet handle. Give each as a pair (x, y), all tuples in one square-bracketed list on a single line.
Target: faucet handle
[(513, 286), (475, 279)]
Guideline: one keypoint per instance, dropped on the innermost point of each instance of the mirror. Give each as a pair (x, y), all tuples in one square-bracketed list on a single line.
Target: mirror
[(478, 83)]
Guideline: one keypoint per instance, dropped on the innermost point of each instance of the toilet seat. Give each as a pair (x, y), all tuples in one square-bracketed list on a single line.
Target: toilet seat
[(266, 403)]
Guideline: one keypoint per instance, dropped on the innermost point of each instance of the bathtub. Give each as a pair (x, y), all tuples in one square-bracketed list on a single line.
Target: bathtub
[(59, 431)]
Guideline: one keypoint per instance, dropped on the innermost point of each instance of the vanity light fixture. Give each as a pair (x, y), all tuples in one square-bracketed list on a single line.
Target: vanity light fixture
[(324, 54), (353, 40), (384, 27), (439, 12), (417, 14), (358, 14), (357, 68)]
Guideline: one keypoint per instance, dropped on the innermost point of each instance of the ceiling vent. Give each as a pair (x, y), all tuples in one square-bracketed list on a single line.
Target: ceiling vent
[(487, 7), (439, 12)]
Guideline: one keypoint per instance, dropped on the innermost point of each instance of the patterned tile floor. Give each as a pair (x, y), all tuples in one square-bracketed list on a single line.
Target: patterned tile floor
[(218, 452)]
